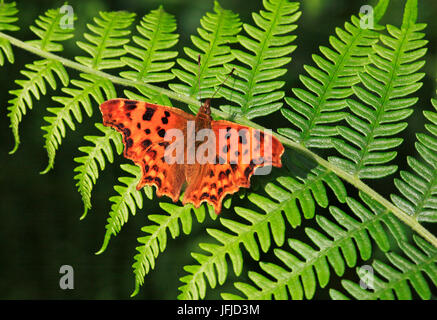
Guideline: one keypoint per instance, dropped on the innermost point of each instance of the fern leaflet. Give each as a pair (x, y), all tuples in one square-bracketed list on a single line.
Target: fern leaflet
[(128, 199), (419, 187), (7, 18), (330, 83), (156, 239), (391, 76), (218, 30), (88, 168), (49, 33), (253, 88), (400, 275)]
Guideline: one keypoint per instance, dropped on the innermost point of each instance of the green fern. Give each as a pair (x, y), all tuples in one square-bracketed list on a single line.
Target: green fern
[(253, 88), (152, 60), (218, 30), (400, 276), (330, 82), (271, 223), (156, 239), (7, 18), (350, 238), (127, 200), (88, 168), (104, 48), (419, 187), (49, 32), (391, 77)]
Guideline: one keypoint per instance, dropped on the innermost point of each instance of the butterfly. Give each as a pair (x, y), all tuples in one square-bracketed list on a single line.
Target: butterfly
[(207, 170)]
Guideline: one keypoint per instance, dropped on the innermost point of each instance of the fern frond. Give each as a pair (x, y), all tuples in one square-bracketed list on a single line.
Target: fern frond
[(338, 246), (285, 197), (402, 274), (128, 199), (419, 186), (151, 59), (218, 30), (387, 82), (105, 44), (49, 32), (329, 83), (105, 49), (88, 165), (98, 88), (7, 16), (156, 239), (254, 88), (8, 13)]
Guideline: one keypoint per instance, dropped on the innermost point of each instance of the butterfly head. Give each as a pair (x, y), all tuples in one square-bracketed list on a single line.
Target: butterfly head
[(205, 109)]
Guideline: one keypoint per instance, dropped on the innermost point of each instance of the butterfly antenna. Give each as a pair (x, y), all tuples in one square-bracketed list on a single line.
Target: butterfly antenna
[(198, 78), (221, 84)]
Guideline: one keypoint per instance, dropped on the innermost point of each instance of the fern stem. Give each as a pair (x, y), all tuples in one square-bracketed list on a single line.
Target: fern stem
[(358, 183)]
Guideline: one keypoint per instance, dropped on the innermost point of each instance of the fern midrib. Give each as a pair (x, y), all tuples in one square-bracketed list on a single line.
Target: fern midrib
[(323, 253), (252, 228), (154, 236), (15, 110), (151, 50), (101, 47), (196, 88), (381, 109), (65, 111), (30, 82), (260, 58), (426, 195), (356, 182), (75, 100), (402, 275), (51, 30), (331, 81), (116, 216), (85, 171)]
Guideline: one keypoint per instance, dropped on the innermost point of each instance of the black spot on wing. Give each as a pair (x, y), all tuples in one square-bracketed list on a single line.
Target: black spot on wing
[(129, 142), (161, 133), (147, 116), (146, 143), (204, 195)]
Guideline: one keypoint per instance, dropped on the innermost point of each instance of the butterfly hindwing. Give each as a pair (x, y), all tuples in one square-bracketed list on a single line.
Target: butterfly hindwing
[(239, 151)]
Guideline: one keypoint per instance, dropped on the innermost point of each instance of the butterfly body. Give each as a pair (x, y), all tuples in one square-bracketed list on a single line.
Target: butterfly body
[(208, 168)]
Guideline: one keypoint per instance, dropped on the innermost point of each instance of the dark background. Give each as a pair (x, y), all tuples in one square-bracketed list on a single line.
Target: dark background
[(39, 214)]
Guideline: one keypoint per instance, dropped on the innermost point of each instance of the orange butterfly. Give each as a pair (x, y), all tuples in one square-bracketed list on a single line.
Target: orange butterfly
[(224, 166)]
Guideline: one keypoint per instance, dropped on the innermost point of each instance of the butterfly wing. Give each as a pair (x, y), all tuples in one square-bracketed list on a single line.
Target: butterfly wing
[(239, 151), (143, 126)]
